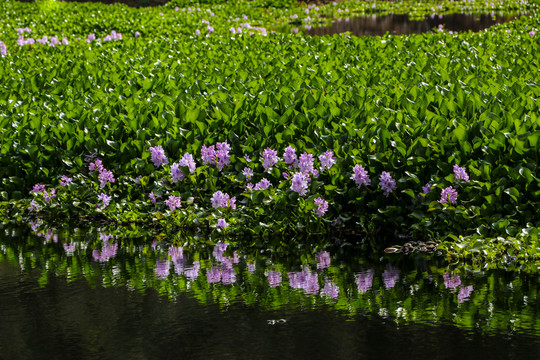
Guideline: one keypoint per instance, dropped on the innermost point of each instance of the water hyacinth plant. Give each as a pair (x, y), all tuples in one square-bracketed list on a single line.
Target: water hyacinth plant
[(291, 121)]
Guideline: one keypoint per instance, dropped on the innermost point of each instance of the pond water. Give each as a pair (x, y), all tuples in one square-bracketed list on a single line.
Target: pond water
[(96, 293), (403, 25)]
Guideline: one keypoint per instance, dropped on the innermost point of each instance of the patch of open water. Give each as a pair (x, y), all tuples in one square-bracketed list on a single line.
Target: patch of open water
[(96, 294), (402, 25)]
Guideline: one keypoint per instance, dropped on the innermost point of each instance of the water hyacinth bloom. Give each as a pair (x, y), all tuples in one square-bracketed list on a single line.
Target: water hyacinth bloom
[(232, 30), (323, 259), (153, 197), (137, 34), (269, 158), (105, 177), (176, 174), (274, 278), (305, 279), (188, 161), (158, 156), (364, 280), (105, 200), (322, 206), (327, 160), (330, 289), (460, 173), (360, 176), (208, 155), (162, 269), (305, 163), (262, 185), (390, 277), (448, 194), (464, 293), (426, 188), (197, 32), (532, 33), (299, 183), (388, 184), (221, 223), (222, 153), (173, 202), (248, 173), (451, 282), (222, 200), (289, 156), (3, 49), (38, 189)]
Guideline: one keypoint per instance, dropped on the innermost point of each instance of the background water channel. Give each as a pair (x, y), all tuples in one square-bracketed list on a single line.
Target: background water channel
[(96, 294)]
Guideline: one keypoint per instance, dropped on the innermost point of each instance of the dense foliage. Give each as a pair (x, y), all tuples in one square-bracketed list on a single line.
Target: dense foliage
[(409, 122)]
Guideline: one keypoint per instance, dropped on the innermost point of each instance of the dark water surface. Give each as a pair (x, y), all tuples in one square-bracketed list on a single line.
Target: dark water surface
[(402, 25), (94, 294)]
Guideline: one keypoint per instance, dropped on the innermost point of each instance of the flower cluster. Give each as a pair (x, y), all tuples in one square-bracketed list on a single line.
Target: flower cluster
[(322, 206), (3, 49), (105, 200), (105, 176), (270, 158), (449, 194), (40, 189), (158, 156), (388, 184), (221, 200), (360, 176), (460, 173), (173, 202)]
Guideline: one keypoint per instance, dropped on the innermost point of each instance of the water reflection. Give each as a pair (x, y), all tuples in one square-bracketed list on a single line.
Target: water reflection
[(401, 289), (403, 25)]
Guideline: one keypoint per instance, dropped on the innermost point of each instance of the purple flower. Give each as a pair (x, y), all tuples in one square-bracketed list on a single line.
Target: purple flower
[(387, 183), (213, 275), (173, 202), (210, 29), (48, 196), (360, 176), (232, 30), (322, 206), (65, 41), (221, 223), (532, 32), (219, 200), (327, 160), (107, 252), (451, 282), (208, 155), (262, 185), (176, 174), (162, 269), (330, 289), (305, 279), (38, 189), (364, 280), (323, 259), (448, 194), (96, 165), (390, 277), (188, 161), (105, 200), (248, 173), (197, 32), (274, 278), (299, 183), (69, 249), (426, 188), (153, 197), (222, 153), (137, 34), (289, 156), (305, 163), (464, 293), (158, 156), (269, 158), (460, 173), (91, 37), (34, 206), (105, 176)]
